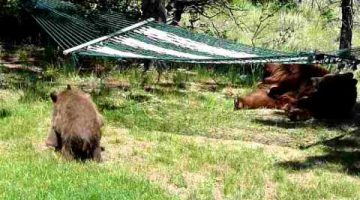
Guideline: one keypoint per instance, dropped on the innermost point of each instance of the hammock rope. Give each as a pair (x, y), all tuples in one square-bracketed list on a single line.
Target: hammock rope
[(110, 34)]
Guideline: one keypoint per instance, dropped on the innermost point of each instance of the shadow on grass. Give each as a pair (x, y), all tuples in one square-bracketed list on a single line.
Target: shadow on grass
[(4, 113), (172, 91), (30, 82), (108, 106), (284, 122), (343, 150), (348, 160)]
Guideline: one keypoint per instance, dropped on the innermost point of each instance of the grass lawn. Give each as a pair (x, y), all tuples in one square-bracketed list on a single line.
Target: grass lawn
[(175, 143)]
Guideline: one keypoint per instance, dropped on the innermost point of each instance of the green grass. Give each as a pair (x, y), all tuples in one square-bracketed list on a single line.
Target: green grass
[(306, 26), (29, 171), (172, 143), (33, 176), (183, 140)]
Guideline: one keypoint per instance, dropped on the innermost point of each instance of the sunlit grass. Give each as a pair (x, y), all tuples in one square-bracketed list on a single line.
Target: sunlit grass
[(168, 143), (304, 26)]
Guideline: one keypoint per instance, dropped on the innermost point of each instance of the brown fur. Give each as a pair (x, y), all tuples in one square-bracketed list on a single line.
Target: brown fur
[(290, 77), (76, 125), (256, 99), (261, 99), (282, 84), (292, 74), (303, 91), (332, 96)]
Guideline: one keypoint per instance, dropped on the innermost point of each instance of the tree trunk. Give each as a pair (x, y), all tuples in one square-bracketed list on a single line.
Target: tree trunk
[(154, 9), (177, 7), (346, 25)]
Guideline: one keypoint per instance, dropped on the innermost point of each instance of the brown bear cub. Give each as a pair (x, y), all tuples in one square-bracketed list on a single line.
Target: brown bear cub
[(76, 125)]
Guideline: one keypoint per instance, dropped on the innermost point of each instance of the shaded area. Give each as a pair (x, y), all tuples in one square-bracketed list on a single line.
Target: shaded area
[(4, 113), (34, 83), (341, 153), (343, 150), (349, 161), (283, 122), (19, 28)]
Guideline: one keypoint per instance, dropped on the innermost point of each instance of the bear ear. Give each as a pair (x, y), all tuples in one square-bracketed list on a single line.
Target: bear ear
[(68, 87), (53, 96)]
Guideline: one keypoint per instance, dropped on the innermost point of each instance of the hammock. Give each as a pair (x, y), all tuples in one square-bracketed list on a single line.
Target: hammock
[(110, 34)]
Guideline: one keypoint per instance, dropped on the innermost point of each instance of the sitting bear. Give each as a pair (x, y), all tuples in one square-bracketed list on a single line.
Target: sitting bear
[(76, 124)]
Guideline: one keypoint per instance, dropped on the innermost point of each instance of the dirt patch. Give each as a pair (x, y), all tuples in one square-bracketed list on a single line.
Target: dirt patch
[(281, 140), (193, 179), (270, 189), (305, 179), (20, 67), (124, 149), (114, 83), (230, 92), (279, 152), (218, 191), (120, 146), (4, 147), (134, 154), (9, 96)]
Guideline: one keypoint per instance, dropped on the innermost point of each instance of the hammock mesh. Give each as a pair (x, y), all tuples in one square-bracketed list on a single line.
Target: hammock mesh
[(110, 34)]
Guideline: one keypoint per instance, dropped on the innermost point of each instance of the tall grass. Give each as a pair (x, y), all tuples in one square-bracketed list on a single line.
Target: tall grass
[(306, 26)]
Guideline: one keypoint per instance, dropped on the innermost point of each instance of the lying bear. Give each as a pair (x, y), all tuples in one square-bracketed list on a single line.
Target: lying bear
[(290, 76), (76, 125), (332, 96), (261, 99), (281, 85), (303, 91)]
